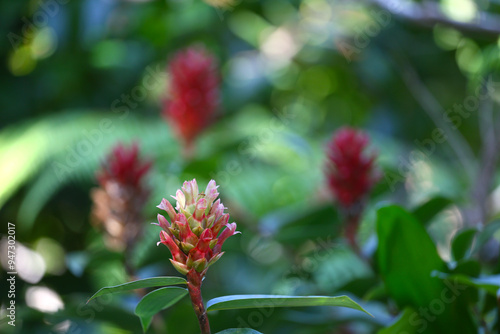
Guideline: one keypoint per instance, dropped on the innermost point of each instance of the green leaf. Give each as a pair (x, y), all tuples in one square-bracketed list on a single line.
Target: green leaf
[(402, 324), (156, 301), (376, 292), (461, 246), (257, 301), (468, 267), (139, 284), (486, 234), (239, 331), (425, 212), (490, 284), (406, 257)]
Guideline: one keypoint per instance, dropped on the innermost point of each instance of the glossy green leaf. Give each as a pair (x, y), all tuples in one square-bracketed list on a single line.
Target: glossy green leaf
[(239, 331), (461, 246), (428, 210), (156, 301), (406, 259), (257, 301), (139, 284), (403, 242), (490, 284), (404, 323)]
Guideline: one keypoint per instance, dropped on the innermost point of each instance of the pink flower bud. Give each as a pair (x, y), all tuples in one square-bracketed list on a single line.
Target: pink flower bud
[(201, 206), (181, 200), (165, 205), (211, 191), (229, 231)]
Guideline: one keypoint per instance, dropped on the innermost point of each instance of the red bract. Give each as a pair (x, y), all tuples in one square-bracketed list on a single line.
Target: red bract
[(192, 236), (350, 171), (194, 93), (119, 201), (123, 166)]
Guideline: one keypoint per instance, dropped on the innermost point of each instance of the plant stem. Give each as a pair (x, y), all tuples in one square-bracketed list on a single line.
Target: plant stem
[(351, 230), (194, 288)]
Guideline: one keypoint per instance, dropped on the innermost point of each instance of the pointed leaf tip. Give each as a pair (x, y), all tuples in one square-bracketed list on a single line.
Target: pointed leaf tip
[(139, 284)]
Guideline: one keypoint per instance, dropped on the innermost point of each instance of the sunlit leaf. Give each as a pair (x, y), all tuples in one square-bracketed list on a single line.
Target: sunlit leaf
[(257, 301)]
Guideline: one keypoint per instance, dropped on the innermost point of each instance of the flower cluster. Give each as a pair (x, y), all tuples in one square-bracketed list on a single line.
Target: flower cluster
[(350, 172), (119, 200), (193, 235), (194, 93)]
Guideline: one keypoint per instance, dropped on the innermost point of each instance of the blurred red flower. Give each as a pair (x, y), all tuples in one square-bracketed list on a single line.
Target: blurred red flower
[(120, 199), (351, 175), (350, 171), (194, 93), (123, 166)]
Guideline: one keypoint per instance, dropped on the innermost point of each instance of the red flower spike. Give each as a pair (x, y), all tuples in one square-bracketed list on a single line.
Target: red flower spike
[(199, 210), (350, 172), (120, 199), (194, 93), (192, 255), (351, 175), (123, 166)]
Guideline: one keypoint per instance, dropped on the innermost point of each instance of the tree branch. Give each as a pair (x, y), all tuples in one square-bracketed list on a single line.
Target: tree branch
[(432, 107), (428, 13), (490, 153)]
